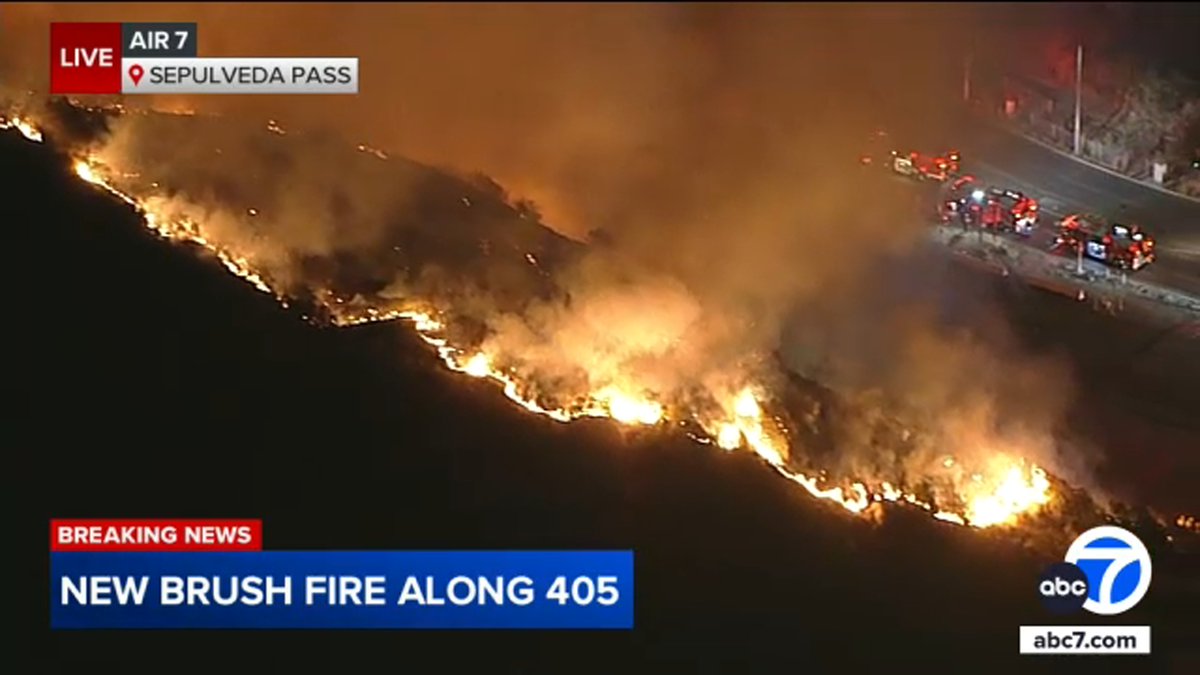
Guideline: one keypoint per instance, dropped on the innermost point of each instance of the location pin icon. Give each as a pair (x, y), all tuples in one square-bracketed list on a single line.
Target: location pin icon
[(136, 72)]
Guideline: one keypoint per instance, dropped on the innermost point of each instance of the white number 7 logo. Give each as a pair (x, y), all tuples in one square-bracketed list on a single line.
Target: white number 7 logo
[(1130, 550)]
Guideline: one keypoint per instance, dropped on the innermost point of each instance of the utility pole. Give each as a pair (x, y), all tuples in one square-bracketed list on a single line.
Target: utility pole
[(966, 87), (1078, 93)]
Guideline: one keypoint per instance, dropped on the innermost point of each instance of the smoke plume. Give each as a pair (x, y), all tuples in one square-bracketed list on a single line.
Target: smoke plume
[(708, 151)]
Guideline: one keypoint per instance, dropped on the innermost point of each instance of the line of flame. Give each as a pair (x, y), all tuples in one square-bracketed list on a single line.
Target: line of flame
[(181, 230), (1017, 495)]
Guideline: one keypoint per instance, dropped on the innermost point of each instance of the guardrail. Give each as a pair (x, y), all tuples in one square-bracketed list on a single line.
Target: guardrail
[(1057, 273)]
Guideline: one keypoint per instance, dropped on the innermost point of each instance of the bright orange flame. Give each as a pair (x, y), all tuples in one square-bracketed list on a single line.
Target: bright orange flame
[(84, 171), (729, 436), (1016, 493), (1000, 496), (177, 229), (478, 366), (628, 408), (27, 128)]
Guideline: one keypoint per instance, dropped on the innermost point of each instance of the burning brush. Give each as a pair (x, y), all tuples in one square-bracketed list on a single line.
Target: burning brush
[(732, 410), (736, 418)]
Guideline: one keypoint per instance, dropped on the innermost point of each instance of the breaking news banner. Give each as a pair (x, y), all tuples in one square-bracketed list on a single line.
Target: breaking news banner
[(161, 58), (184, 574), (155, 535)]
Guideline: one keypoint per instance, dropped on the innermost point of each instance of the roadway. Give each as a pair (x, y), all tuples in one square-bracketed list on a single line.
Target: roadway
[(1064, 185)]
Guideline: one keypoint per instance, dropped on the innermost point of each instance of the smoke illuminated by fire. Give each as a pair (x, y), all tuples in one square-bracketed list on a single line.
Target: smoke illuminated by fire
[(734, 411)]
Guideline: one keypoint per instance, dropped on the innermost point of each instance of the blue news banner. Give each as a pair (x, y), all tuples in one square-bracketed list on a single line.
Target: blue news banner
[(342, 589)]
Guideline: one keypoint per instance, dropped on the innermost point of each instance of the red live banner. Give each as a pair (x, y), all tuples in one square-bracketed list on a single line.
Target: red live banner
[(155, 534), (85, 58)]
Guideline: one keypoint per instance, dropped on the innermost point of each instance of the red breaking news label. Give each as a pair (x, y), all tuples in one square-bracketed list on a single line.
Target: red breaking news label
[(85, 58), (155, 534)]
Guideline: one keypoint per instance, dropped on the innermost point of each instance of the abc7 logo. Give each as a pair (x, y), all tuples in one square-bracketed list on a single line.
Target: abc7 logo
[(1106, 571)]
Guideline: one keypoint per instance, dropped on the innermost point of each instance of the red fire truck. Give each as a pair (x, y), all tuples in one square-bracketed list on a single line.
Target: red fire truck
[(912, 164), (1123, 246), (1018, 212), (926, 167)]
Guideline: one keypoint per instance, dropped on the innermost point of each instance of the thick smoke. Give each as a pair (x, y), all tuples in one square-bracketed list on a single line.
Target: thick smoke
[(711, 148)]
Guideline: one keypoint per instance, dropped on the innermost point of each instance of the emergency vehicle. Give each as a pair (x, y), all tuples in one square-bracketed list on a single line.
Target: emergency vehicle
[(1016, 212), (911, 164), (926, 167), (963, 201), (1123, 246)]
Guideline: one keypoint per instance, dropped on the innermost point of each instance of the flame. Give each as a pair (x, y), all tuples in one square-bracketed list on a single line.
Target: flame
[(84, 171), (628, 408), (1000, 501), (478, 366), (1016, 493), (747, 426), (176, 229), (745, 405), (996, 495), (27, 129), (729, 436)]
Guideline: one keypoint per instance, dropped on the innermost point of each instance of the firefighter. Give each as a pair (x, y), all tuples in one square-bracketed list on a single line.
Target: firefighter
[(949, 209), (1069, 233), (970, 210)]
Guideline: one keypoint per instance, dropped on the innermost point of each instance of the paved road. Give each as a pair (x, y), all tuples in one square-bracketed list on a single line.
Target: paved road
[(1064, 186)]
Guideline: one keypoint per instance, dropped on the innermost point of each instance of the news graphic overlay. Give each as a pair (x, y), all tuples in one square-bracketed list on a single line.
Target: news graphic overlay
[(85, 58), (1117, 566), (1105, 571), (155, 535), (214, 574), (1063, 588), (162, 58)]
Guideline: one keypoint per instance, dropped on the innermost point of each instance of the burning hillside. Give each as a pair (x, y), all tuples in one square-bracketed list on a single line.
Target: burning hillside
[(566, 331)]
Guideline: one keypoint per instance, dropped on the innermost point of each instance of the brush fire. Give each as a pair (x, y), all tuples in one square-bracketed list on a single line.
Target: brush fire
[(27, 129), (618, 354)]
